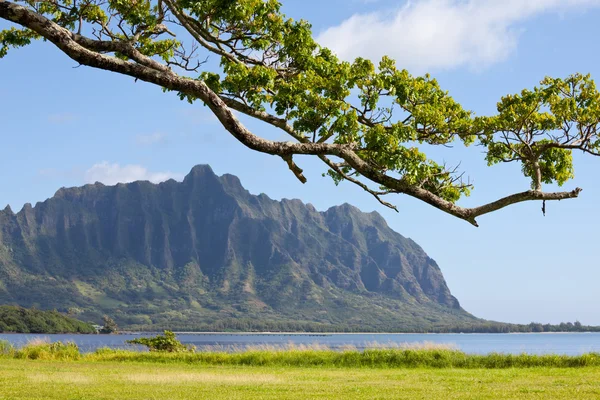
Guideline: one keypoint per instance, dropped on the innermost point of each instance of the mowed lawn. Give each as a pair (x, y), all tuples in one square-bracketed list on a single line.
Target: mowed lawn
[(22, 379)]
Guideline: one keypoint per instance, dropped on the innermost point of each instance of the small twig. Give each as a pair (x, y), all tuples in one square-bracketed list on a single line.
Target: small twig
[(298, 172), (544, 207)]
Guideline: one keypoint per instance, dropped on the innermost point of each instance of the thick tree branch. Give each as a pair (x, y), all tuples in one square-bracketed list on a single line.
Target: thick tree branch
[(123, 47), (89, 52), (66, 41)]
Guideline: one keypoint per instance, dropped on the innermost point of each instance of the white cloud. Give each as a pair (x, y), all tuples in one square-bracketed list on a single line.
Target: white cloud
[(148, 140), (425, 35), (111, 174)]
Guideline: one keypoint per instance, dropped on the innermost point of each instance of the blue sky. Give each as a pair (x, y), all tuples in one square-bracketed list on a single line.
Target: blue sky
[(65, 126)]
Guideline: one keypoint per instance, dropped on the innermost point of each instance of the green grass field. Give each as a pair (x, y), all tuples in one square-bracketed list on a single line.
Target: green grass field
[(42, 370), (65, 380)]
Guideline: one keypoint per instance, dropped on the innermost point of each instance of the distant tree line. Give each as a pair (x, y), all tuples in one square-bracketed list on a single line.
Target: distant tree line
[(21, 320), (533, 327), (16, 319), (253, 325)]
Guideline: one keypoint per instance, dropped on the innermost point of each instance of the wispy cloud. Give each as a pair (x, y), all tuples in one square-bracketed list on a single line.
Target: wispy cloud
[(113, 173), (427, 35), (150, 139)]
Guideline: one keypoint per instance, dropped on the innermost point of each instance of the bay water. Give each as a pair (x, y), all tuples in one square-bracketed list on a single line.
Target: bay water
[(513, 343)]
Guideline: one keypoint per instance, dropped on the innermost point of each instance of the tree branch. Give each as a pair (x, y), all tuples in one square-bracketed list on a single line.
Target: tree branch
[(296, 170), (89, 52)]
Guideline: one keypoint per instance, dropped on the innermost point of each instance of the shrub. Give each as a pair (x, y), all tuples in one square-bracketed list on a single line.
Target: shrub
[(166, 343)]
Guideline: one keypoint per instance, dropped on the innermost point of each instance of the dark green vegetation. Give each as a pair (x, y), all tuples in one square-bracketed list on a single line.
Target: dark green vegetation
[(205, 254), (21, 320), (534, 327)]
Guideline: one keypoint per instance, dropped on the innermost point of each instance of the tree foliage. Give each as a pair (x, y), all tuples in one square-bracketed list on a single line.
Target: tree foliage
[(368, 122), (109, 325), (167, 342)]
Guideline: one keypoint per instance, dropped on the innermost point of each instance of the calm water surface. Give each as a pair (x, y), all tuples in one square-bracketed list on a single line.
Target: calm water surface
[(533, 343)]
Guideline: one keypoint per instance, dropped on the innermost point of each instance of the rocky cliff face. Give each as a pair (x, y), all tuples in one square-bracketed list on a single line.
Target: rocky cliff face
[(205, 250)]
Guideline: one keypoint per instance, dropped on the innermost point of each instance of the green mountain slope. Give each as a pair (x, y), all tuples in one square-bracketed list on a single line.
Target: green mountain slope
[(206, 254)]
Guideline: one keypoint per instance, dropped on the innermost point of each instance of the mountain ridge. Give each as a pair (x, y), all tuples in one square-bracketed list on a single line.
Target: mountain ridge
[(205, 250)]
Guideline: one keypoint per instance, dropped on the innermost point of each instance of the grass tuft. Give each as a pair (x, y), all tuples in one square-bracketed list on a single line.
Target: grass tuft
[(42, 349), (6, 348)]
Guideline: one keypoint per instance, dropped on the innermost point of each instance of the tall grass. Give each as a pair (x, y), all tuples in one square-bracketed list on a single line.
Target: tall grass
[(6, 348), (42, 349), (307, 356), (425, 355)]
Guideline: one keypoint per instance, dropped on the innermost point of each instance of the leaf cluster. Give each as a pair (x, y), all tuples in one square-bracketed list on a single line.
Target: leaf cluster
[(272, 69), (541, 127)]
